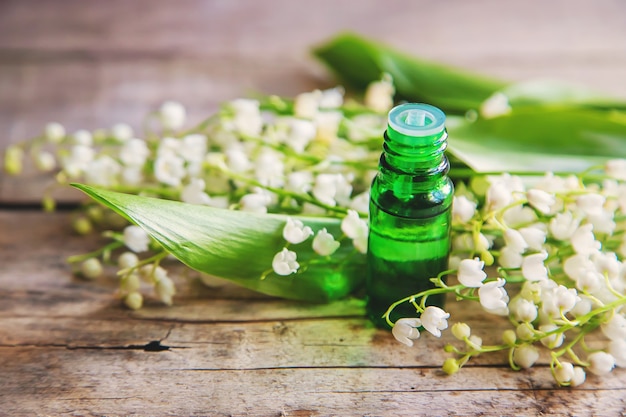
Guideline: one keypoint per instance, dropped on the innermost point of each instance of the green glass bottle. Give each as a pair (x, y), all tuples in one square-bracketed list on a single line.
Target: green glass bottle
[(411, 197)]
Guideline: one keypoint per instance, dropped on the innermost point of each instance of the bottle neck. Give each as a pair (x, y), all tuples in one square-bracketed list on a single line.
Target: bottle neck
[(410, 155)]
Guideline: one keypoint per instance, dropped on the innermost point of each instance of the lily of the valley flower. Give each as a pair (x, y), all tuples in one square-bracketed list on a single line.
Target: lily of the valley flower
[(136, 239), (356, 229), (324, 244), (434, 320), (564, 372), (463, 209), (54, 132), (584, 241), (284, 262), (471, 272), (296, 232), (405, 330), (540, 200), (172, 115), (193, 193), (525, 356), (600, 363), (615, 328), (533, 268), (493, 297)]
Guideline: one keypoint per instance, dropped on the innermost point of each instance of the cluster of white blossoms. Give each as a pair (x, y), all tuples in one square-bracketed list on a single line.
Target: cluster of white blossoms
[(556, 246), (324, 243), (314, 155)]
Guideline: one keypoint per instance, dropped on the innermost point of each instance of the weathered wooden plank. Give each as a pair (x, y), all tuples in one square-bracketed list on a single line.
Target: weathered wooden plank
[(107, 381)]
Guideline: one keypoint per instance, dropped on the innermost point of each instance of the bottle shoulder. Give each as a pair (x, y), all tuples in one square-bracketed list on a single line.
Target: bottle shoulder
[(417, 203)]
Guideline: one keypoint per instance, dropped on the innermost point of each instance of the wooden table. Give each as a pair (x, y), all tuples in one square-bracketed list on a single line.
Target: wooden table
[(68, 347)]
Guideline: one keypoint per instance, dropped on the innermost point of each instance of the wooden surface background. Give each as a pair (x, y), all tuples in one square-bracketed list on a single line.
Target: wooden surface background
[(67, 347)]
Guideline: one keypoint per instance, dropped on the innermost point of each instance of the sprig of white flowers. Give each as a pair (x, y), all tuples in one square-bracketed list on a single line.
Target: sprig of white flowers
[(305, 156), (556, 245)]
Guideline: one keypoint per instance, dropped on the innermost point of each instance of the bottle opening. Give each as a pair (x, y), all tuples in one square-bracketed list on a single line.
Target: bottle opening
[(416, 119)]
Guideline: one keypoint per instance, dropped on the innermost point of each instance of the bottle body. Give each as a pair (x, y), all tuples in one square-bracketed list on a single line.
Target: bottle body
[(409, 238)]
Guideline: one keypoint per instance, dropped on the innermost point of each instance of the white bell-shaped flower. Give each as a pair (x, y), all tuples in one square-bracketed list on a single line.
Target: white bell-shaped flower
[(590, 204), (584, 241), (284, 262), (540, 200), (617, 349), (172, 115), (533, 268), (134, 153), (551, 340), (564, 372), (493, 297), (193, 193), (54, 132), (525, 356), (616, 168), (524, 310), (353, 226), (463, 209), (510, 257), (434, 320), (165, 289), (169, 169), (563, 225), (324, 244), (615, 327), (122, 132), (471, 272), (136, 239), (534, 237), (578, 377), (600, 363), (296, 232), (405, 330), (515, 240)]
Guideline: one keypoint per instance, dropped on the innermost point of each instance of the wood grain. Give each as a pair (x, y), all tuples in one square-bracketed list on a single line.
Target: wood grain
[(92, 64), (68, 346)]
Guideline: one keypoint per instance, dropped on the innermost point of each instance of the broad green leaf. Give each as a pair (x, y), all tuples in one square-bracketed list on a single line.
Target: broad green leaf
[(555, 92), (240, 246), (358, 62), (539, 139)]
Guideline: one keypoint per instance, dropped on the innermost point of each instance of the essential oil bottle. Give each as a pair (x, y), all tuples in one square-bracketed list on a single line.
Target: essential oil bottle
[(411, 197)]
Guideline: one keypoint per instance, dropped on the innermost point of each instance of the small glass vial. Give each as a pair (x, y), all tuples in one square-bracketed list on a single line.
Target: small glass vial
[(410, 216)]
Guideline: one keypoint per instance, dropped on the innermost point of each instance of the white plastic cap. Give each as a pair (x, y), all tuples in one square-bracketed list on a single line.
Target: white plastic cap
[(416, 119)]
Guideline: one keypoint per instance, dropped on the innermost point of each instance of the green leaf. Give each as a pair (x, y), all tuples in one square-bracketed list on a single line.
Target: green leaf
[(554, 92), (240, 246), (539, 139), (358, 62)]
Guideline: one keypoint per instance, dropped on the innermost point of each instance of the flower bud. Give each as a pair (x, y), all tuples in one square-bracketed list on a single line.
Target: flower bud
[(134, 300), (127, 260), (449, 348), (525, 331), (450, 366), (601, 363), (461, 331), (509, 337), (578, 377), (525, 356), (82, 226), (54, 132), (91, 268), (13, 157)]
